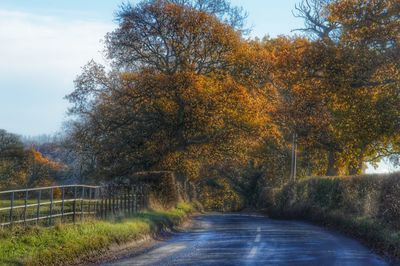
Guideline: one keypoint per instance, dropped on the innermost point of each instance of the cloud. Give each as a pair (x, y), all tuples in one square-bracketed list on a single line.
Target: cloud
[(44, 42), (39, 58)]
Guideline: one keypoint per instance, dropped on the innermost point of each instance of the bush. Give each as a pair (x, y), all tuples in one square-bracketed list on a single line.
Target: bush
[(217, 194), (370, 196), (163, 187), (366, 206)]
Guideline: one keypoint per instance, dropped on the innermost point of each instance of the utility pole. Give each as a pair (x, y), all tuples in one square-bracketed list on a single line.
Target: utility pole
[(294, 158)]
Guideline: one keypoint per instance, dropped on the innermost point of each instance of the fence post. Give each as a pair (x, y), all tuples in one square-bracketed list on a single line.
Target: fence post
[(121, 199), (99, 199), (94, 200), (96, 203), (25, 206), (144, 194), (126, 193), (89, 199), (74, 207), (11, 208), (127, 200), (117, 201), (141, 198), (135, 205), (82, 197), (113, 200), (129, 192), (38, 206), (109, 209), (106, 197), (121, 195), (51, 205), (62, 203), (102, 208)]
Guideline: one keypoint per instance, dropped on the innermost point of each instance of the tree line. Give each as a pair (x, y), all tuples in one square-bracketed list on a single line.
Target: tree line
[(23, 165), (186, 89)]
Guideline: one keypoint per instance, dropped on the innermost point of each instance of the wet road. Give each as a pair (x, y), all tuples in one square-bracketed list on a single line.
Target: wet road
[(239, 239)]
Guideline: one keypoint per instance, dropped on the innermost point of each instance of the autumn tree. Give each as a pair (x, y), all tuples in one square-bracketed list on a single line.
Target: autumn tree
[(41, 171), (13, 158), (21, 167), (173, 99), (341, 74), (185, 91)]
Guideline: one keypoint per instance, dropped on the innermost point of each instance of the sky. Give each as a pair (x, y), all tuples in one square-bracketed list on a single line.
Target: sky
[(44, 44)]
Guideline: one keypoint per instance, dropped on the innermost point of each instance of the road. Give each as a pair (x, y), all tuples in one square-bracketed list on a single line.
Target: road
[(240, 239)]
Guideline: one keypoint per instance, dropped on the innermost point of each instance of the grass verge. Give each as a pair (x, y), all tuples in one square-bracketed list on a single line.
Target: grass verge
[(67, 244)]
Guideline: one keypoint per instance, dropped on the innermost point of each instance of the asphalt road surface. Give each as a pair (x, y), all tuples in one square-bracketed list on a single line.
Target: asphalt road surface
[(240, 239)]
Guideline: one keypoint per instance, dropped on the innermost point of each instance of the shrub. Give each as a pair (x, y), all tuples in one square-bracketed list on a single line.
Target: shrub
[(163, 187), (217, 194), (371, 196), (366, 206)]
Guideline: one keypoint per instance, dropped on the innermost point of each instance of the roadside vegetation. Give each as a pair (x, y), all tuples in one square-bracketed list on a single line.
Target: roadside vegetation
[(366, 207), (71, 244), (24, 166), (188, 91)]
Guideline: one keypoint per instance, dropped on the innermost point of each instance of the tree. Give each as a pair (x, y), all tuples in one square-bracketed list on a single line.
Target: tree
[(316, 19), (174, 99), (174, 36), (12, 160), (349, 73), (41, 170), (21, 167)]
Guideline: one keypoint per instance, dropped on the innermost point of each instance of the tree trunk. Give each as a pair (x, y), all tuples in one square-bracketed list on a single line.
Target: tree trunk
[(332, 169)]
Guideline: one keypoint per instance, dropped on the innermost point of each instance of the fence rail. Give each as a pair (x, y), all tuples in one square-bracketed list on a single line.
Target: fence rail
[(69, 203)]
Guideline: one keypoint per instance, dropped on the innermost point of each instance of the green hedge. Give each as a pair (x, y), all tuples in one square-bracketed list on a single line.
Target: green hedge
[(367, 206)]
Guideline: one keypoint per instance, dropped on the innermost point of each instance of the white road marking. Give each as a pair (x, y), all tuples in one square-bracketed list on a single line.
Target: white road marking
[(253, 252), (258, 237)]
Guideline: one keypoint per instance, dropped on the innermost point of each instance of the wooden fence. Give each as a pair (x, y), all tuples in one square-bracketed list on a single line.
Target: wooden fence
[(68, 204)]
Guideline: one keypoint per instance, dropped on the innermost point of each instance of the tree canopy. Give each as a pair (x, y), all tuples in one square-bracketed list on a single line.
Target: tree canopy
[(188, 91), (176, 94), (23, 167)]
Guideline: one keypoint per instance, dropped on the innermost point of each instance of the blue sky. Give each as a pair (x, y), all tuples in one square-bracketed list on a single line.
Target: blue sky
[(44, 43)]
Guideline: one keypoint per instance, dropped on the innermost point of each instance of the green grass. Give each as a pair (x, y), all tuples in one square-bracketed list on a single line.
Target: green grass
[(7, 203), (65, 244)]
